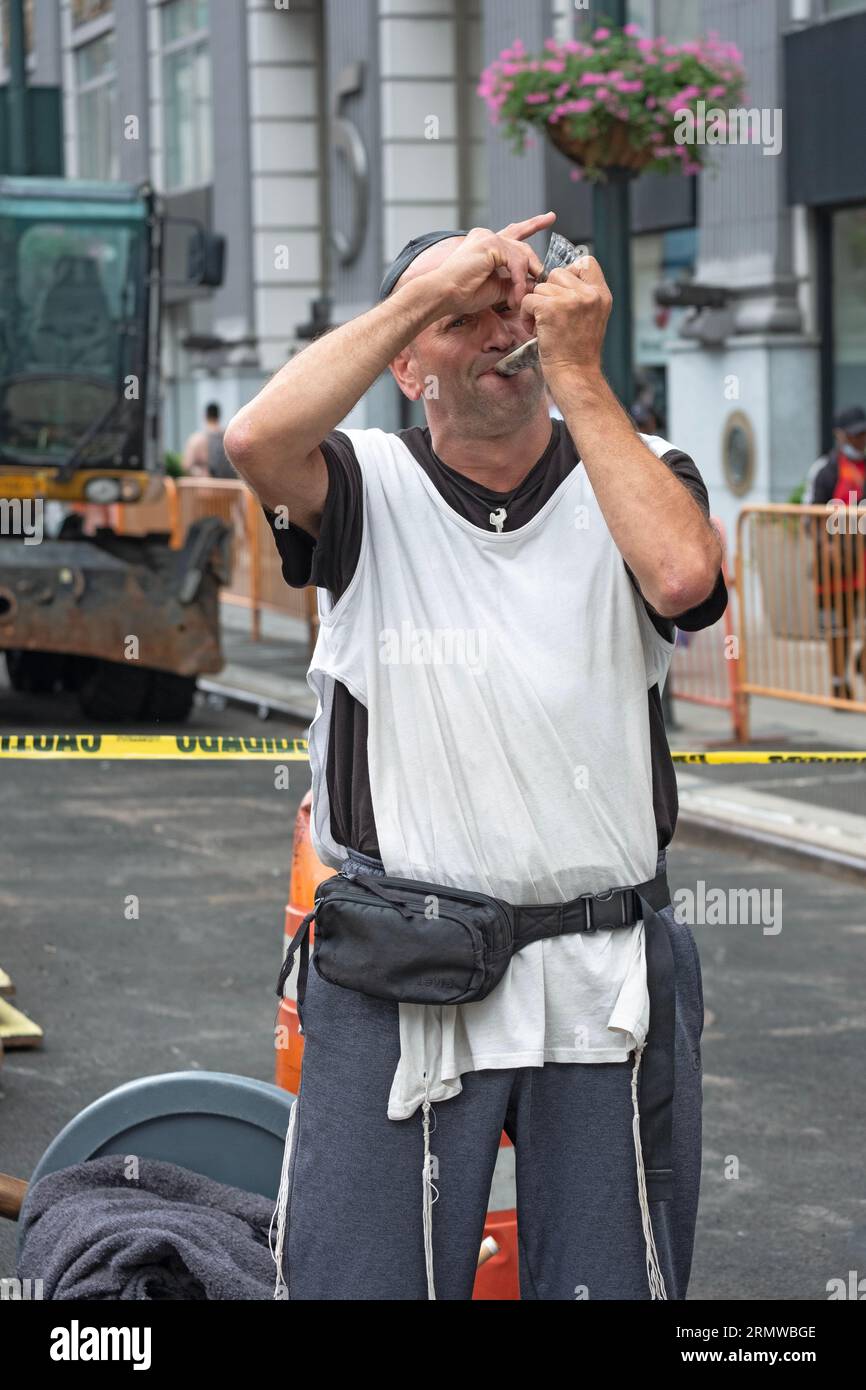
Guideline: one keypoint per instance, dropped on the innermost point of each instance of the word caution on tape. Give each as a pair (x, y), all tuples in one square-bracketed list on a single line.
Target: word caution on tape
[(182, 747)]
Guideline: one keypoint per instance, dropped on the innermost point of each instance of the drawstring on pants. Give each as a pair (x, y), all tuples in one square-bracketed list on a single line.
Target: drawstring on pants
[(281, 1289), (653, 1269), (429, 1187)]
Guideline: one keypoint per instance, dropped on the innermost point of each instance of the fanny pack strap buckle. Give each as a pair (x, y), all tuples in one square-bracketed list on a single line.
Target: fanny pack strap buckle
[(586, 898)]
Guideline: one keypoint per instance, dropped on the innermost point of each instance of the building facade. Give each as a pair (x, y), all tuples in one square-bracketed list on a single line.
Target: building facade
[(320, 135)]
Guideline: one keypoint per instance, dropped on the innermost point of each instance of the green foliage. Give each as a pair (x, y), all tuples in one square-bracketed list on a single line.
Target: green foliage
[(173, 464)]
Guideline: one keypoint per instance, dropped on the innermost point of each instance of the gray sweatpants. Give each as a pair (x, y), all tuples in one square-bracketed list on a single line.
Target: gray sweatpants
[(353, 1210)]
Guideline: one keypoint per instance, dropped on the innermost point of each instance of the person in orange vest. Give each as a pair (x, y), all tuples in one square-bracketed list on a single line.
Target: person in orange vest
[(840, 566)]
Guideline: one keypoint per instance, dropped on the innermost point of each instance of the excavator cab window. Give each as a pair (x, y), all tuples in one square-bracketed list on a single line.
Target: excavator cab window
[(72, 329)]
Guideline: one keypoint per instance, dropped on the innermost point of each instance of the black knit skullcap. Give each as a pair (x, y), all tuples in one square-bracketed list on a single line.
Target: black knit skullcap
[(405, 258)]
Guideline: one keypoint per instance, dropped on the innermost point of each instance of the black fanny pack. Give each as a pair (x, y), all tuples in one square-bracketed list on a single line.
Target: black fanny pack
[(422, 943)]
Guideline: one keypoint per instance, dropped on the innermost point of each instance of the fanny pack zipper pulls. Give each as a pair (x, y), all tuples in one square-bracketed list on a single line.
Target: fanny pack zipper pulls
[(363, 881)]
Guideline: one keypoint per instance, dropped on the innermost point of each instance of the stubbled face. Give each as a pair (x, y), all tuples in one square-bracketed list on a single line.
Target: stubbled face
[(448, 366)]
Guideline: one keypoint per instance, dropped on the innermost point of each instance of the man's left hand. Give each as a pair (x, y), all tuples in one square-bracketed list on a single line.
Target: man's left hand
[(568, 313)]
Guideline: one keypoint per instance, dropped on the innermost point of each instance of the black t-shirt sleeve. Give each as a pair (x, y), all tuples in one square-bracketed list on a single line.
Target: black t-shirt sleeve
[(824, 482), (706, 613), (330, 562)]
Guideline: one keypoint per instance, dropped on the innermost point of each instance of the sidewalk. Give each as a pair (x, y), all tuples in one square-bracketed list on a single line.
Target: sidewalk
[(815, 810)]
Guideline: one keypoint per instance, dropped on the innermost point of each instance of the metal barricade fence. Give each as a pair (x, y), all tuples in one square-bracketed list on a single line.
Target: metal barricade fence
[(801, 580), (705, 664)]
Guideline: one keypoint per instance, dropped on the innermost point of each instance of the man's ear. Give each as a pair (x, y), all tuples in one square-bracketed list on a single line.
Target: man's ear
[(405, 375)]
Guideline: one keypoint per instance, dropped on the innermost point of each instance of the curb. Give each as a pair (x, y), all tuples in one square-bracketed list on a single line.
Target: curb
[(707, 830)]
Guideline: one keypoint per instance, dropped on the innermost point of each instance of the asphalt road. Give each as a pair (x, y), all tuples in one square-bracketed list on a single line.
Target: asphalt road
[(206, 850)]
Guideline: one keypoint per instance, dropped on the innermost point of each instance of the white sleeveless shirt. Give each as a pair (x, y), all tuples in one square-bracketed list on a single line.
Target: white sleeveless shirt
[(505, 677)]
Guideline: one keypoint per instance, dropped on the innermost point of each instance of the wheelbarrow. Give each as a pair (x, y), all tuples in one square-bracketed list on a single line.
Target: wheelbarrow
[(229, 1128)]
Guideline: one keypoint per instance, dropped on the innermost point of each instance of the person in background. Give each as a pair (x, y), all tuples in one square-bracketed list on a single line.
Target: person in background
[(645, 418), (840, 566), (204, 455)]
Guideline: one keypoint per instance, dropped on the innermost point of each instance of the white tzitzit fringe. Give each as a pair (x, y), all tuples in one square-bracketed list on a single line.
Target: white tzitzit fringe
[(653, 1269), (429, 1187), (281, 1288)]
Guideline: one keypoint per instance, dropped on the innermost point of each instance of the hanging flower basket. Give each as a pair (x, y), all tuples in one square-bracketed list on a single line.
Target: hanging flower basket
[(620, 101), (611, 150)]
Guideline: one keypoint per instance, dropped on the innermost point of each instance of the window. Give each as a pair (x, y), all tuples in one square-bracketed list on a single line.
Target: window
[(186, 78), (85, 10), (96, 91), (72, 310), (849, 307), (678, 20), (834, 7)]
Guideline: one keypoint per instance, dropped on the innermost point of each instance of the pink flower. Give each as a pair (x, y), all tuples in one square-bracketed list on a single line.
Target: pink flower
[(601, 93), (576, 175), (671, 67), (651, 102), (562, 90), (554, 65), (689, 93), (635, 86), (536, 98), (600, 35), (632, 30), (718, 91), (691, 167), (579, 106)]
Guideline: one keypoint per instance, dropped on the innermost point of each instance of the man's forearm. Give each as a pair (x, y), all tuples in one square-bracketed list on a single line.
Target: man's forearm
[(657, 525), (312, 393)]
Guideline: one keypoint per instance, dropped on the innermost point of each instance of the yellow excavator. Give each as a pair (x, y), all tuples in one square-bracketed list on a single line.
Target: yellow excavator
[(124, 620)]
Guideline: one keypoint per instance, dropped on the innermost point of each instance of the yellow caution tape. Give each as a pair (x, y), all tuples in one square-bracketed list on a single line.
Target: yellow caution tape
[(186, 747), (182, 748), (768, 757)]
